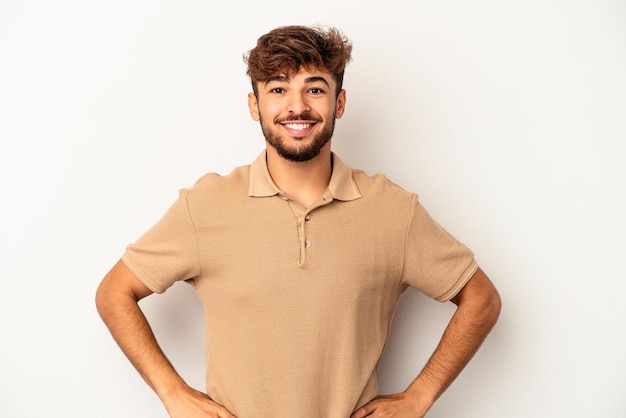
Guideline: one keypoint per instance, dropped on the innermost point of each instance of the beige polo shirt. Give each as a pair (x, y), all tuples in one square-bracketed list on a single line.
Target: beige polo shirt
[(298, 301)]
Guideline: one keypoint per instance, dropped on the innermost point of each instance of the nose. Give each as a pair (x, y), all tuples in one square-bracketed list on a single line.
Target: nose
[(297, 103)]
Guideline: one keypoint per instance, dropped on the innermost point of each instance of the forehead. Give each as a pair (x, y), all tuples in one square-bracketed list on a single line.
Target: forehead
[(306, 74), (303, 78)]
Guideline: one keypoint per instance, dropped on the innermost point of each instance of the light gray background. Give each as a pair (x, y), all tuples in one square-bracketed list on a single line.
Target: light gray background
[(507, 117)]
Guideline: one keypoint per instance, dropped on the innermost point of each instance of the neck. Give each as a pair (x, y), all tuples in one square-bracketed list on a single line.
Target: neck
[(304, 181)]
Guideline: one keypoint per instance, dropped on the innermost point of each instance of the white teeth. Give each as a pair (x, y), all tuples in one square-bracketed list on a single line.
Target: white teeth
[(297, 126)]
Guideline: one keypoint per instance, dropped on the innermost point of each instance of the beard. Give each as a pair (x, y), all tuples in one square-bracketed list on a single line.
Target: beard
[(298, 152)]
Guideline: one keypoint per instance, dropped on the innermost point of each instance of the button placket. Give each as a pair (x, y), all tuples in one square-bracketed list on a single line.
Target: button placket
[(305, 243), (303, 216)]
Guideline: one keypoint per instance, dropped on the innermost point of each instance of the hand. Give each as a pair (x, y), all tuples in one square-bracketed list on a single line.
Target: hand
[(195, 404), (399, 405)]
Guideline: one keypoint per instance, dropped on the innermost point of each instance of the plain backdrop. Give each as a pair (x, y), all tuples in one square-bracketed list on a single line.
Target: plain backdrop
[(507, 117)]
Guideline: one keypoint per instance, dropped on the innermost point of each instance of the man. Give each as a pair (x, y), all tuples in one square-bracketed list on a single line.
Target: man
[(299, 262)]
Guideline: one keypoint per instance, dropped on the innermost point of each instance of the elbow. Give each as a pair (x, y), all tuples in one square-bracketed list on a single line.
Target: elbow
[(493, 307), (101, 300), (107, 298), (117, 290)]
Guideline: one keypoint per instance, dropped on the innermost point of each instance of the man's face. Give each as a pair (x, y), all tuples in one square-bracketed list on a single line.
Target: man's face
[(298, 113)]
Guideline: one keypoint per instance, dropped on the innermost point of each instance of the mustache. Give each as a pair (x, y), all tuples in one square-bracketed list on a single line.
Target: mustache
[(307, 116)]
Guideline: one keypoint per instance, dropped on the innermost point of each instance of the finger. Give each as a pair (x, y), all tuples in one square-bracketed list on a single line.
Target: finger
[(224, 413), (363, 411)]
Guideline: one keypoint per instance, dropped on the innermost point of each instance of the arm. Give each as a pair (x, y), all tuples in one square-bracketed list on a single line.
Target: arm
[(117, 301), (478, 308)]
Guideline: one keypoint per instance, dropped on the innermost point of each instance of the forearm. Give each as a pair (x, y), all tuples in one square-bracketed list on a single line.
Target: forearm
[(478, 309), (477, 312), (117, 300), (133, 334)]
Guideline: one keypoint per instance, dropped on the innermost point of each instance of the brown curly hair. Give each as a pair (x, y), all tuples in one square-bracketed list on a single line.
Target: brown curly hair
[(288, 49)]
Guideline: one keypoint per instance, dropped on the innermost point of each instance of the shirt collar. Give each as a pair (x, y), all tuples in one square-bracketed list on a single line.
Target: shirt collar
[(341, 186)]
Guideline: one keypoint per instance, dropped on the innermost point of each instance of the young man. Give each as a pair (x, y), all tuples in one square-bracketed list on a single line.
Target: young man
[(299, 262)]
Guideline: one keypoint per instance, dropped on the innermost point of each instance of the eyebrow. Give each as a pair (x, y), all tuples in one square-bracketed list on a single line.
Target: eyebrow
[(316, 79), (308, 80)]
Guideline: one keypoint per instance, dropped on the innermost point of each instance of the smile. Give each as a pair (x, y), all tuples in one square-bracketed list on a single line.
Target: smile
[(298, 126), (298, 129)]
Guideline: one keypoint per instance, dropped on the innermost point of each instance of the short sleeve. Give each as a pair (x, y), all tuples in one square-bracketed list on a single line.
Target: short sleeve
[(436, 263), (167, 252)]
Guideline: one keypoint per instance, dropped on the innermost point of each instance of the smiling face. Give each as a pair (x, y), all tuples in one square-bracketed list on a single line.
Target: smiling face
[(297, 113)]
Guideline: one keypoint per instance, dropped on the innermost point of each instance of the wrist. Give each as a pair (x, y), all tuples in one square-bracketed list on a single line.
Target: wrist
[(171, 389), (420, 400)]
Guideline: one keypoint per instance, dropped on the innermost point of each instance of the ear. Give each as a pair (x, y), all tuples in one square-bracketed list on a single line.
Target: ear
[(341, 104), (253, 105)]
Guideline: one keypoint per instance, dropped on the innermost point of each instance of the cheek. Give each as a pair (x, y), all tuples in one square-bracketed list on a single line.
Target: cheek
[(270, 111)]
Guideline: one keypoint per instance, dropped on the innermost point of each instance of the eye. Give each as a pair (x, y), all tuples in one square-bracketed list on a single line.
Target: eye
[(316, 90), (277, 90)]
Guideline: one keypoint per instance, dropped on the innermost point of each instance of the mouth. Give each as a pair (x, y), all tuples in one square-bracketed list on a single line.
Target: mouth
[(298, 128)]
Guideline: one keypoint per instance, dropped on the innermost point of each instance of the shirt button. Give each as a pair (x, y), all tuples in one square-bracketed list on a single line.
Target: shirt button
[(307, 244), (306, 218)]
